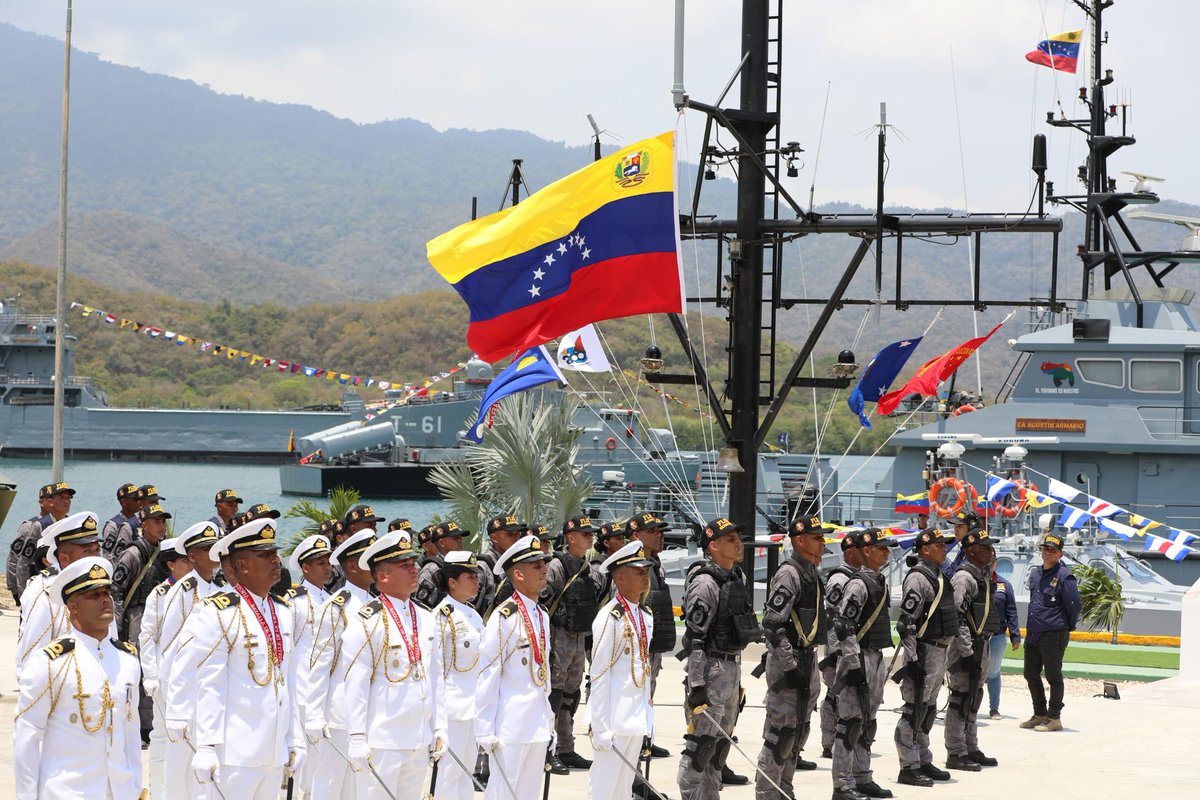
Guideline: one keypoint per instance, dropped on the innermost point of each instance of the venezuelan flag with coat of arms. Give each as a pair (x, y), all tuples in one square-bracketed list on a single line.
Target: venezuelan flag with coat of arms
[(598, 244)]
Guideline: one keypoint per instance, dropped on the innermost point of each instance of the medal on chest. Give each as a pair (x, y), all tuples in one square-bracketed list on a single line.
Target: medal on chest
[(537, 647), (412, 643)]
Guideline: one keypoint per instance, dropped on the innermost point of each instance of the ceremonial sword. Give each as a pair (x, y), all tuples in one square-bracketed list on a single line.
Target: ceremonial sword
[(370, 766), (734, 745), (478, 786), (625, 760), (504, 775)]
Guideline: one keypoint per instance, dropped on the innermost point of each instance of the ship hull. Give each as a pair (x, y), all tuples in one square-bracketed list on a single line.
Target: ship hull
[(407, 481)]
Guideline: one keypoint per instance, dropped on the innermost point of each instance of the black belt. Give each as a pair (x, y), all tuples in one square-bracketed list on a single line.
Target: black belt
[(942, 643), (721, 655)]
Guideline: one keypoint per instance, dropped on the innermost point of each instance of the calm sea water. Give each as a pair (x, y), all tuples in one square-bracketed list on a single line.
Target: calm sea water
[(189, 489)]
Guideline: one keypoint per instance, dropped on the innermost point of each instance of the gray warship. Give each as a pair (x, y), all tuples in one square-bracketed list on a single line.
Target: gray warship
[(94, 429)]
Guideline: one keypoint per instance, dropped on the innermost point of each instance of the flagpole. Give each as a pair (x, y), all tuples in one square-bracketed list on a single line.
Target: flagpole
[(60, 312)]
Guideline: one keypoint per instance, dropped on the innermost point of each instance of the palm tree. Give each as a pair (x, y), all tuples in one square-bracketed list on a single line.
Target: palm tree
[(341, 500), (525, 466), (1103, 605)]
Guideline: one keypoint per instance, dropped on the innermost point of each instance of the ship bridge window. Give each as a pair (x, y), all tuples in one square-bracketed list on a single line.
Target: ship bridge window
[(1102, 371), (1155, 375)]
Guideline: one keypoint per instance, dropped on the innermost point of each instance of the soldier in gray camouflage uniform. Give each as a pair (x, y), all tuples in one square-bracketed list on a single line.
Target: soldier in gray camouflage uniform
[(928, 623), (863, 630), (119, 531), (720, 623), (979, 621), (835, 584), (794, 622)]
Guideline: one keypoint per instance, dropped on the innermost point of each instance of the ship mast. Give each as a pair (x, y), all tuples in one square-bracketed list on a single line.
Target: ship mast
[(60, 313)]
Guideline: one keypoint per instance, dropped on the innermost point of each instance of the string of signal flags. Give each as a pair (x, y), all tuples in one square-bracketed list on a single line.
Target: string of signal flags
[(239, 356)]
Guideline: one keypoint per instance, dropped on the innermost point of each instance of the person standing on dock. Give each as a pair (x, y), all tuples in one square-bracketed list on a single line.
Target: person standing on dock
[(649, 529), (119, 531), (979, 620), (794, 621), (1054, 607), (432, 589), (459, 628), (928, 624), (835, 584), (54, 503), (311, 562), (1010, 634), (227, 502)]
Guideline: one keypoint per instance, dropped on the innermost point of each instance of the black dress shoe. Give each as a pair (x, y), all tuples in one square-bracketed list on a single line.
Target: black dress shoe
[(557, 767), (981, 759), (847, 794), (826, 752), (802, 764), (962, 763), (934, 773), (731, 778), (873, 789), (574, 760), (659, 752), (912, 777)]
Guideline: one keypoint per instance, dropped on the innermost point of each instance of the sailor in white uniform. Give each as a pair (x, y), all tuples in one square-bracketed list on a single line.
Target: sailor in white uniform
[(395, 696), (244, 702), (621, 669), (43, 618), (323, 693), (77, 728), (513, 722), (176, 696), (310, 562), (459, 628), (149, 637)]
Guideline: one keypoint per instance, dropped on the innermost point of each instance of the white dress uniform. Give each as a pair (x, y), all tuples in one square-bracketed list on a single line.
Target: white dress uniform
[(512, 699), (42, 619), (148, 639), (621, 707), (395, 693), (459, 628), (76, 733), (307, 600), (244, 701)]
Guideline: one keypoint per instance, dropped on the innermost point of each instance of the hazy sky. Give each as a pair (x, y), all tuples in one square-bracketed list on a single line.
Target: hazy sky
[(943, 66)]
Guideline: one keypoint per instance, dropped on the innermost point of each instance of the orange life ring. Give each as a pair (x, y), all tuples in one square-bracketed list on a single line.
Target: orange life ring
[(962, 410), (610, 443), (1010, 511), (961, 488)]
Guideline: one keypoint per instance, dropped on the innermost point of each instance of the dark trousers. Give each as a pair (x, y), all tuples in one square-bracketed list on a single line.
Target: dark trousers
[(1046, 654)]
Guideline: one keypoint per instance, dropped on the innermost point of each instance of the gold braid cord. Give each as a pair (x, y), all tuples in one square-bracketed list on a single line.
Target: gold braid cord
[(448, 624), (626, 641)]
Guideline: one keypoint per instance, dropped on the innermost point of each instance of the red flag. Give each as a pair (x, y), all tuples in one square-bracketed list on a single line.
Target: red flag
[(933, 372)]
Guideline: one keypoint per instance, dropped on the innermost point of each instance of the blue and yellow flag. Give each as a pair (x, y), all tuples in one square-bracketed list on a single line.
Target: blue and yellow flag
[(532, 368), (598, 244)]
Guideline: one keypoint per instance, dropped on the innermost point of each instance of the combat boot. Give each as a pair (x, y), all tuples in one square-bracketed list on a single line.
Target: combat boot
[(826, 752), (962, 763), (802, 764), (1033, 722), (1049, 724), (934, 773), (731, 778), (911, 777), (981, 759), (847, 794), (873, 789), (574, 760)]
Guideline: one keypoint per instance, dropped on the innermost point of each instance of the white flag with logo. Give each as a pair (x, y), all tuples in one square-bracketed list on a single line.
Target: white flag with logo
[(581, 351)]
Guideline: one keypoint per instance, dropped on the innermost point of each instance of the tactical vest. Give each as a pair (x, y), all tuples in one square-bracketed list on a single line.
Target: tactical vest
[(943, 618), (577, 604), (879, 635), (735, 624), (663, 612), (833, 597), (808, 606), (431, 592), (984, 619)]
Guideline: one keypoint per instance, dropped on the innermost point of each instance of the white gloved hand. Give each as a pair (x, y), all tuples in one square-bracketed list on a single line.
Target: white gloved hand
[(150, 687), (177, 730), (439, 745), (296, 758), (487, 744), (205, 764), (553, 741), (314, 731), (602, 741), (357, 753)]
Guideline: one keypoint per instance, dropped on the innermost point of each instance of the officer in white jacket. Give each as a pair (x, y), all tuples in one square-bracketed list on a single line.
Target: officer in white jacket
[(621, 669), (459, 629), (76, 732), (323, 693), (244, 722), (395, 695), (513, 722), (310, 563)]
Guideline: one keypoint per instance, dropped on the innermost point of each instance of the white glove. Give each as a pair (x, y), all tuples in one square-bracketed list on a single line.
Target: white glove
[(439, 745), (553, 740), (357, 753), (205, 764), (487, 744), (177, 730), (602, 741), (296, 758), (314, 731), (150, 687)]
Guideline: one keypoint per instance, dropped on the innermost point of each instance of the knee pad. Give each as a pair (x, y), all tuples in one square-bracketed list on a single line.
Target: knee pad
[(571, 701), (848, 730), (782, 742), (908, 713), (720, 754), (958, 701), (930, 718), (699, 750), (556, 700)]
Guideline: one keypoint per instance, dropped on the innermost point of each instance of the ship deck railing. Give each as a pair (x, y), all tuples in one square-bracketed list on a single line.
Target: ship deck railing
[(14, 380), (1170, 422), (26, 319)]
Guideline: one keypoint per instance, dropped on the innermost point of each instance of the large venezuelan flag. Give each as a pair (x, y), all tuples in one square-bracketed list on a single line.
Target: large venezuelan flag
[(1060, 52), (598, 244)]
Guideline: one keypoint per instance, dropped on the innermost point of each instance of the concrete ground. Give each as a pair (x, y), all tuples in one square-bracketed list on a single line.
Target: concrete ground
[(1110, 748)]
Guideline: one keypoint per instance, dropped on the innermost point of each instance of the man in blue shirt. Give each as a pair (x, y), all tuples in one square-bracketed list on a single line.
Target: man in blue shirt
[(1054, 606), (1006, 604)]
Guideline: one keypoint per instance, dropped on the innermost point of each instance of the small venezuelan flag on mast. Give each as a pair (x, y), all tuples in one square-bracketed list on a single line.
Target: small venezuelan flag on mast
[(1059, 52), (598, 244)]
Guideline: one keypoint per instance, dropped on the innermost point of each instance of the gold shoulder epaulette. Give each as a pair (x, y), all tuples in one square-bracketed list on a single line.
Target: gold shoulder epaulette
[(506, 608), (299, 591), (46, 573), (223, 600), (339, 599), (447, 609), (162, 588), (188, 584), (59, 647), (281, 598), (370, 609), (616, 611), (128, 647)]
